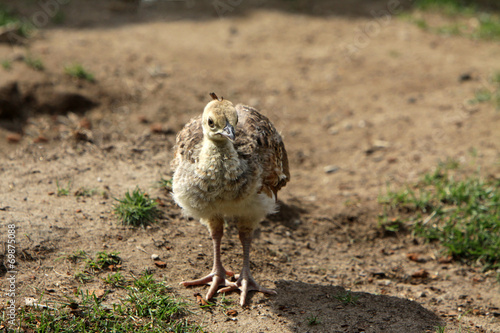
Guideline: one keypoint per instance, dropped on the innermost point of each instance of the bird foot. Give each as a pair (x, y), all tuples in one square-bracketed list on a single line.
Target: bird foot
[(246, 284), (213, 279)]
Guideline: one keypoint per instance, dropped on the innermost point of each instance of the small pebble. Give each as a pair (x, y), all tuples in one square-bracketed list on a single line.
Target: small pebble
[(154, 256), (85, 123), (13, 138), (333, 130), (156, 128), (160, 264), (381, 144), (41, 139), (465, 77), (331, 168)]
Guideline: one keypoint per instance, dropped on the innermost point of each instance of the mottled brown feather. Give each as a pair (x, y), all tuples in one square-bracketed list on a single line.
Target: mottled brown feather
[(257, 138), (188, 143), (257, 142)]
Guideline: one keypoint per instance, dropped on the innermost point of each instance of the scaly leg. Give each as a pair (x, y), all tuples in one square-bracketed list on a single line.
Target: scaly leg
[(218, 275), (245, 281)]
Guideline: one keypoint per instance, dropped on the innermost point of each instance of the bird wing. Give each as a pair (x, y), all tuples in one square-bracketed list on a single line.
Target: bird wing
[(188, 143), (257, 140)]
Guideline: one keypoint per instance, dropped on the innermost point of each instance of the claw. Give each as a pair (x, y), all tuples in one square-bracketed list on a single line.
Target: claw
[(212, 279), (245, 285)]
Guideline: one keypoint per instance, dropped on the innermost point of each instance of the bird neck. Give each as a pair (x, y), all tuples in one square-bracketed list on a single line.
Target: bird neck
[(214, 153)]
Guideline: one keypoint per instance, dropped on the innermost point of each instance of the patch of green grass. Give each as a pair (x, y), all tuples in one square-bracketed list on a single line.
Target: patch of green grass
[(495, 81), (78, 71), (453, 29), (473, 152), (75, 256), (83, 277), (489, 27), (391, 225), (489, 94), (151, 299), (63, 191), (312, 320), (103, 260), (347, 298), (148, 307), (59, 18), (481, 96), (394, 53), (117, 280), (35, 63), (449, 164), (136, 209), (440, 329), (165, 183), (421, 23), (447, 7), (8, 18), (495, 78), (463, 214), (224, 302), (85, 192), (465, 18), (7, 65), (496, 99)]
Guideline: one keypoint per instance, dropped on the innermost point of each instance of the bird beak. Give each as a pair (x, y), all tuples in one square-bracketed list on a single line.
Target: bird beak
[(228, 131)]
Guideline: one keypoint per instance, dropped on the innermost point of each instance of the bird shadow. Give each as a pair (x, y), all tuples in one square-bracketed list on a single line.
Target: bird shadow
[(328, 308), (288, 215)]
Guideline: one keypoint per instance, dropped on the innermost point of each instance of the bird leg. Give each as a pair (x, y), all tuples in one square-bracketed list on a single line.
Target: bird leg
[(218, 275), (245, 281)]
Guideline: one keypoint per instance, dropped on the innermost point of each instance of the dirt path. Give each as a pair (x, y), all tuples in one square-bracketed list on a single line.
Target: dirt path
[(372, 109)]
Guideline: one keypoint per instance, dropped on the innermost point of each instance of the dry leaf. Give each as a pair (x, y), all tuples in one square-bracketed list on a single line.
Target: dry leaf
[(421, 274), (161, 264), (233, 313), (160, 202), (41, 139), (13, 138), (200, 300), (73, 305), (387, 252), (99, 293), (85, 123), (413, 257), (156, 128), (445, 260)]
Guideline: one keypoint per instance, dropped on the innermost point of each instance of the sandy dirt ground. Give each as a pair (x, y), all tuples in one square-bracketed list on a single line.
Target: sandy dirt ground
[(363, 103)]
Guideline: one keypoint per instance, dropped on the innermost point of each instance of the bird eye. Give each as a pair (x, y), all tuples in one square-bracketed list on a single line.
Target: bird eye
[(211, 123)]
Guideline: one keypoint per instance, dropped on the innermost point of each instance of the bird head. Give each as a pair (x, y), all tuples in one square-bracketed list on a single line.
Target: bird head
[(219, 119)]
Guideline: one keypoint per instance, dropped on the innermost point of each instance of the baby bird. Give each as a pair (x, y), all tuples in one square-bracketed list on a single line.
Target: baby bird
[(229, 163)]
